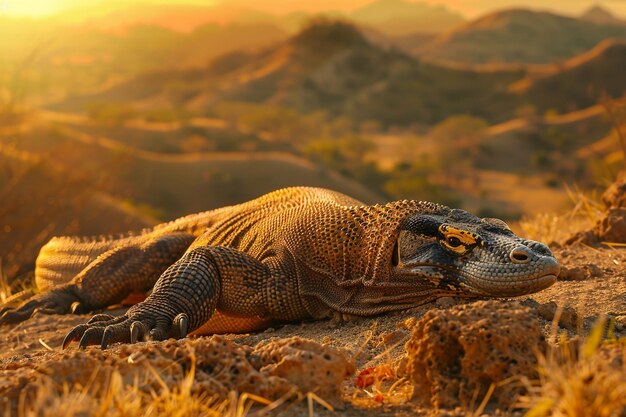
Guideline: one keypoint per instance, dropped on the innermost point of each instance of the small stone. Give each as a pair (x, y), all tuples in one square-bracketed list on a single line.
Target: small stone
[(587, 237), (572, 274), (568, 318), (581, 273), (594, 271), (613, 226), (615, 194)]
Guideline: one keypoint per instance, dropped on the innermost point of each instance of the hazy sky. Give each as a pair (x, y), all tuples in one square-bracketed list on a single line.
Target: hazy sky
[(470, 8)]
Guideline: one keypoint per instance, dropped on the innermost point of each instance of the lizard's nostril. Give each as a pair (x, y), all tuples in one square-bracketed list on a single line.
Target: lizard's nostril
[(520, 255)]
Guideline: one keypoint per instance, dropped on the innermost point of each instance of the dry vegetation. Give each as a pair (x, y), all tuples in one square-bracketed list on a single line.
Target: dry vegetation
[(557, 228), (585, 377)]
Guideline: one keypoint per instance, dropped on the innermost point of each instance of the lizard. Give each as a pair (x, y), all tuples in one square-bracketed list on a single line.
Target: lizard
[(294, 254)]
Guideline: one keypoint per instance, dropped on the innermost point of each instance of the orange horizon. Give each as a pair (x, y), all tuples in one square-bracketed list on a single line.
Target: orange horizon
[(78, 9)]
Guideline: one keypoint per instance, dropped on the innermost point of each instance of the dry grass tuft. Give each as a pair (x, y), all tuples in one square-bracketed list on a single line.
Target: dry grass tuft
[(5, 288), (587, 211), (109, 395), (13, 294), (113, 397), (581, 379)]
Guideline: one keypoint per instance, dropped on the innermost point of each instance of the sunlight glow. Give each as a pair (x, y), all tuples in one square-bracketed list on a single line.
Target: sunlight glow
[(35, 8), (82, 9), (43, 8)]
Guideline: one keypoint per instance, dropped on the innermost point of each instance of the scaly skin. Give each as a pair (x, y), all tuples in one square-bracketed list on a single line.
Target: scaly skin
[(298, 253)]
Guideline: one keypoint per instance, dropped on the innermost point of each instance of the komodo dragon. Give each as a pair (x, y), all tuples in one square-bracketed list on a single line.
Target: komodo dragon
[(293, 254)]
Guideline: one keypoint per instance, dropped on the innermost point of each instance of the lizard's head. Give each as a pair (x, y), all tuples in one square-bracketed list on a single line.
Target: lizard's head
[(461, 253)]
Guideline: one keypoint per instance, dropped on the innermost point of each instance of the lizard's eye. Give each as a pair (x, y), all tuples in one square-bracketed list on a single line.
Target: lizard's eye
[(457, 241)]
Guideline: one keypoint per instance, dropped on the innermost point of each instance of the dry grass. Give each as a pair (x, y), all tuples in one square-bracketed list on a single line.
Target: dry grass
[(111, 396), (586, 211), (581, 379), (115, 398), (11, 294)]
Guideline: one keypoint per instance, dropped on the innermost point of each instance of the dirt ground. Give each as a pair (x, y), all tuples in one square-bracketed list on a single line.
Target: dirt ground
[(593, 284)]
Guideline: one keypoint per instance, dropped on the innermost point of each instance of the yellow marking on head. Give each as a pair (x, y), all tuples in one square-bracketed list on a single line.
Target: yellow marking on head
[(457, 240)]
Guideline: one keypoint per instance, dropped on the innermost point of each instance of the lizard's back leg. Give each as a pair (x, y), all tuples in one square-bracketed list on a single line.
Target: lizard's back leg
[(133, 266), (185, 298)]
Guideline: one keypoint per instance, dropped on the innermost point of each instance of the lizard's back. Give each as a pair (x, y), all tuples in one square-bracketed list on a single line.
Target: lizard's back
[(64, 257)]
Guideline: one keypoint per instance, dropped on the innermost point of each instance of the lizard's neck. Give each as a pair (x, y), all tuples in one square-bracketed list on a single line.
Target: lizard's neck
[(351, 257), (380, 226)]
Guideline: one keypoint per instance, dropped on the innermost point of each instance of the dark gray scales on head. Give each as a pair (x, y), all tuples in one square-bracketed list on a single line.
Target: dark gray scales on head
[(297, 253)]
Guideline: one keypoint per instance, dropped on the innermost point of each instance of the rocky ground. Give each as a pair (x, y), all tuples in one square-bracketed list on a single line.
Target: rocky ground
[(450, 357)]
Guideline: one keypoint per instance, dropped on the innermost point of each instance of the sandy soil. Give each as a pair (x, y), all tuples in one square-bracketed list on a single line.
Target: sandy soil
[(593, 284)]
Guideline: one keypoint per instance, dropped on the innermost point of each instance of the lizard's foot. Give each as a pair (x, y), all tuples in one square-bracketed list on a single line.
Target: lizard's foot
[(61, 300), (132, 327)]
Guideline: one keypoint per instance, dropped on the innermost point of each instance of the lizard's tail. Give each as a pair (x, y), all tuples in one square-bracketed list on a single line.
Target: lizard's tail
[(62, 258)]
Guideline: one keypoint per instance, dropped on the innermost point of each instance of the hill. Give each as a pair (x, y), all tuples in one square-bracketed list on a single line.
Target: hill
[(519, 36), (71, 59), (68, 204), (577, 83), (329, 66), (98, 185), (601, 15), (172, 185)]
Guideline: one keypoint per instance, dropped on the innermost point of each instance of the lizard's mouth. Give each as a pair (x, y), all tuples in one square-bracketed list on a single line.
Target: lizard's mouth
[(512, 288), (503, 283)]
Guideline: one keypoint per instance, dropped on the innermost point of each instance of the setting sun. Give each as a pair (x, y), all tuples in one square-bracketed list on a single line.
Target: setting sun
[(35, 8)]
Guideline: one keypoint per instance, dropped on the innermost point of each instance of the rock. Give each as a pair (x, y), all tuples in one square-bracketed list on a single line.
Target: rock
[(270, 370), (306, 364), (612, 228), (615, 194), (587, 237), (453, 356), (580, 273), (568, 317), (594, 271), (571, 274)]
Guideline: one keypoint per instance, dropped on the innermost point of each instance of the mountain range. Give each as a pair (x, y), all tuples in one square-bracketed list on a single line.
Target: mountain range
[(331, 66), (520, 36)]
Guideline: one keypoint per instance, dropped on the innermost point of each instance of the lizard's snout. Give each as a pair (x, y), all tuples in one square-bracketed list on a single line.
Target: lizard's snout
[(529, 250)]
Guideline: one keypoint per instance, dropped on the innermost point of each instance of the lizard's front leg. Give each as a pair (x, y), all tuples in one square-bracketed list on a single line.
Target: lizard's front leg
[(108, 279), (184, 298)]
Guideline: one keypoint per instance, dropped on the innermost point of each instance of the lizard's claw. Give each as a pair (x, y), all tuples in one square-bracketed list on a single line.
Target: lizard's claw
[(61, 300), (129, 328)]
